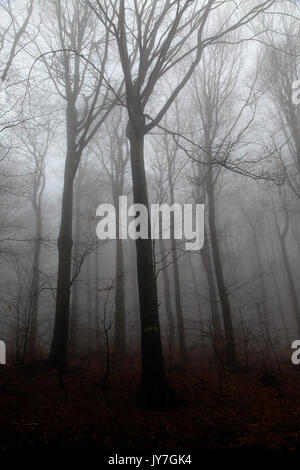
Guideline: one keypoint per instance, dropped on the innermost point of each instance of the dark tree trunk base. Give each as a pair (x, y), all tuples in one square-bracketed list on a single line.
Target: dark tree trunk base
[(62, 368), (155, 397)]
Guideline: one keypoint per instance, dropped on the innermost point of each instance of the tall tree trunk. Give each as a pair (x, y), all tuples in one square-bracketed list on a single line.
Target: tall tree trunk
[(35, 282), (134, 294), (295, 231), (213, 300), (97, 304), (199, 310), (231, 356), (74, 326), (208, 265), (280, 308), (120, 314), (120, 319), (154, 390), (263, 303), (272, 265), (178, 303), (167, 293), (89, 336), (59, 345)]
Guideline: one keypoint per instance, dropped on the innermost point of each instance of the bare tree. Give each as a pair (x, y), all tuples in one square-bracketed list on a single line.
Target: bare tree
[(87, 103), (37, 150), (151, 40), (214, 102)]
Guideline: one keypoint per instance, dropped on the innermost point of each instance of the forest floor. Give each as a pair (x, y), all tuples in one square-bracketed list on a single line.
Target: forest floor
[(253, 410)]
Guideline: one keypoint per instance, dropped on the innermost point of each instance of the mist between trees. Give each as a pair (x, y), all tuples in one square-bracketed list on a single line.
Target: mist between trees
[(187, 102)]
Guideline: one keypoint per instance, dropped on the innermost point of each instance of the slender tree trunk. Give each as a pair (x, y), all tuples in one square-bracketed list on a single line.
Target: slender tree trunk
[(89, 336), (199, 310), (226, 310), (208, 269), (134, 294), (296, 136), (120, 319), (208, 266), (97, 305), (178, 303), (280, 308), (74, 326), (153, 390), (295, 231), (263, 309), (120, 314), (272, 265), (35, 282), (167, 293)]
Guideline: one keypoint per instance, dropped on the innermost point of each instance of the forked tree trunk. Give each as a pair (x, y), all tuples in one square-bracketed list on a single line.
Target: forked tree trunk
[(154, 391)]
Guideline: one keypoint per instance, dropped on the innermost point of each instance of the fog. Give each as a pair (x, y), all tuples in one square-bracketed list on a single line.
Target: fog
[(186, 102)]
